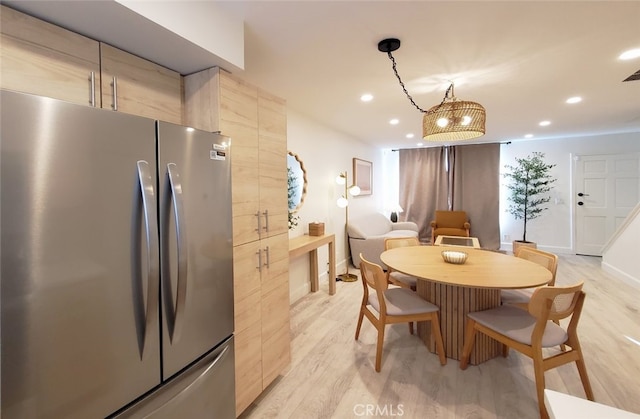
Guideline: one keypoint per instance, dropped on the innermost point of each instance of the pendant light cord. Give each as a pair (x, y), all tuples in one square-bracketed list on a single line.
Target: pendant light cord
[(395, 71)]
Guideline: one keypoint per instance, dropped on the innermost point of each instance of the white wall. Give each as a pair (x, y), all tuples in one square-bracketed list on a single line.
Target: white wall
[(620, 255), (553, 231), (203, 23), (325, 153)]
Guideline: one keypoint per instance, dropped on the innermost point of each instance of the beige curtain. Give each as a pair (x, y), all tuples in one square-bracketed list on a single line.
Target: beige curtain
[(423, 186), (475, 188)]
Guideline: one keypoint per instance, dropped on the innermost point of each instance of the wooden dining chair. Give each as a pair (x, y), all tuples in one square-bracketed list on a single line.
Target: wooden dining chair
[(395, 277), (530, 331), (383, 305), (521, 297)]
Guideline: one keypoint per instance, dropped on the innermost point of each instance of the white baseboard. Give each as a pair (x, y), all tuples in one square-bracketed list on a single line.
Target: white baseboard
[(299, 292), (553, 249), (304, 289), (623, 276)]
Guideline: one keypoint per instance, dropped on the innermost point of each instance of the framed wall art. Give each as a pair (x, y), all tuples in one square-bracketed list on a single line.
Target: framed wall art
[(363, 175)]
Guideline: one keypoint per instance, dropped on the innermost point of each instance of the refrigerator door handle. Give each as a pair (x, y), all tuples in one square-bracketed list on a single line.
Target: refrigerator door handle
[(204, 373), (181, 237), (153, 257)]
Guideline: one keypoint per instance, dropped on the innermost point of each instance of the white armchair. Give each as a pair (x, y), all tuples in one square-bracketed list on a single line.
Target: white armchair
[(367, 234)]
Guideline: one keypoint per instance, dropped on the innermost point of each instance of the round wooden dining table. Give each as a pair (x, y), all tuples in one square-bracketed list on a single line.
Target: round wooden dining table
[(461, 289)]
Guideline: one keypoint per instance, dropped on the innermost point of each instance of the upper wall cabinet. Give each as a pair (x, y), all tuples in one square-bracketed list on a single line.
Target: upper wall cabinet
[(40, 58), (47, 60), (133, 85)]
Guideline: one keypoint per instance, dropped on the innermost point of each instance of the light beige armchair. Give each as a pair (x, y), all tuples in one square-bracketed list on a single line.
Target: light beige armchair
[(450, 223)]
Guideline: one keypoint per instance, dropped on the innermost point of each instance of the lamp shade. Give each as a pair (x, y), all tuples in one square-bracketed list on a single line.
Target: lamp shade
[(454, 120)]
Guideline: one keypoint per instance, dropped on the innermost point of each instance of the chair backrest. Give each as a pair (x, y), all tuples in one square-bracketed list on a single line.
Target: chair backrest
[(393, 242), (451, 219), (557, 303), (373, 276), (542, 258)]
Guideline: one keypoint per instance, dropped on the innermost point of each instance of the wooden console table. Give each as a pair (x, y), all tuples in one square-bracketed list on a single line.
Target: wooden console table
[(309, 244)]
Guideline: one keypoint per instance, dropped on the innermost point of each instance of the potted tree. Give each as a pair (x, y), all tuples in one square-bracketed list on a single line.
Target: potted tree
[(530, 181)]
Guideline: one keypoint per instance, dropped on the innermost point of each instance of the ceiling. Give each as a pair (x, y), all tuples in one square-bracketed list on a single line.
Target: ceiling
[(519, 59)]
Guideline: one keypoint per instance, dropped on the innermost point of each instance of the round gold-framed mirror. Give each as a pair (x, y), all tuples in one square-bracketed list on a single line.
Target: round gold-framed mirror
[(296, 181)]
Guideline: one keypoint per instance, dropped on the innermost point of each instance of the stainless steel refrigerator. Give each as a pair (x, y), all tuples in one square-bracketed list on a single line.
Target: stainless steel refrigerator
[(116, 265)]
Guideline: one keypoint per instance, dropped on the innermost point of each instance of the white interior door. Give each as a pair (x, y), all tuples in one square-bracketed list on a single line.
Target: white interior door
[(607, 189)]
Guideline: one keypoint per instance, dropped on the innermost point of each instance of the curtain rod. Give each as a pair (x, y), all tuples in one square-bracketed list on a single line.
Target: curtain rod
[(411, 148)]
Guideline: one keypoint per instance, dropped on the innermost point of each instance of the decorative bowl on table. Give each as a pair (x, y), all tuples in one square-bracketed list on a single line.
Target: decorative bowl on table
[(454, 256)]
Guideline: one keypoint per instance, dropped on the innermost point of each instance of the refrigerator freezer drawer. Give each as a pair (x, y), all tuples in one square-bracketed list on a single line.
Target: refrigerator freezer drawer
[(205, 390)]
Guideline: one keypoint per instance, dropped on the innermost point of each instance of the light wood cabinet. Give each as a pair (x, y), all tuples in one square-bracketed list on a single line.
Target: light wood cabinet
[(256, 123), (136, 86), (44, 59), (272, 135), (238, 113)]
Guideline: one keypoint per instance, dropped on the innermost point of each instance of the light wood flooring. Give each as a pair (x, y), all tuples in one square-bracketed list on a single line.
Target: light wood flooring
[(332, 375)]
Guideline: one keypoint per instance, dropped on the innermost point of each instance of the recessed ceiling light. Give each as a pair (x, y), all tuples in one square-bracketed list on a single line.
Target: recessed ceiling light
[(394, 121), (367, 97), (544, 123), (528, 136), (409, 135), (419, 144), (574, 99), (630, 54)]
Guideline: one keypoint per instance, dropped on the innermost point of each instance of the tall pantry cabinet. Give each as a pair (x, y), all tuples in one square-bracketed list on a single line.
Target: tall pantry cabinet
[(256, 123), (44, 59)]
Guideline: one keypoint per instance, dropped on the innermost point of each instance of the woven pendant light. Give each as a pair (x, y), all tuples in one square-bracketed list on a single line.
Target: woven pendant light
[(452, 119)]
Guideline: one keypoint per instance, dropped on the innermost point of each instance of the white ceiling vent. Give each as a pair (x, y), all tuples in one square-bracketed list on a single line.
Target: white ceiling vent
[(634, 76)]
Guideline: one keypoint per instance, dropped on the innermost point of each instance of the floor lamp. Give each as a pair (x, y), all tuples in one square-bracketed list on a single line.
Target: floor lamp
[(343, 202)]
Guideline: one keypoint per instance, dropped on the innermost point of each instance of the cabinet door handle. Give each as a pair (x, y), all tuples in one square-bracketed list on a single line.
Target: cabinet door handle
[(114, 90), (266, 220), (266, 250), (92, 89), (259, 253), (257, 214)]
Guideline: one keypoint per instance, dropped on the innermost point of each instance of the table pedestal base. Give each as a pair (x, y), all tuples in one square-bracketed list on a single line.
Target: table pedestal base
[(457, 302)]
